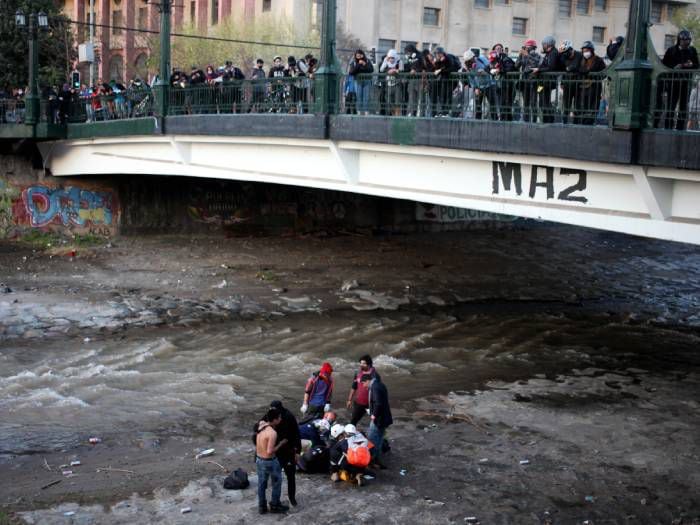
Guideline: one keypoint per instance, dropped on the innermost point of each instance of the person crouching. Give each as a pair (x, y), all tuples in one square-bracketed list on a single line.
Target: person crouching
[(350, 455)]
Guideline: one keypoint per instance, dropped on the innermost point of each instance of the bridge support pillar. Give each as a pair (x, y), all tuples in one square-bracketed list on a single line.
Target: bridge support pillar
[(632, 76), (327, 74)]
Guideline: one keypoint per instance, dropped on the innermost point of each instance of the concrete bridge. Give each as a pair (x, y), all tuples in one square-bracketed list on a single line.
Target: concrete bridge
[(642, 183)]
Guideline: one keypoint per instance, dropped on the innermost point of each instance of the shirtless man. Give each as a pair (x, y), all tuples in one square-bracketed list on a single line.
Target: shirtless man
[(267, 463)]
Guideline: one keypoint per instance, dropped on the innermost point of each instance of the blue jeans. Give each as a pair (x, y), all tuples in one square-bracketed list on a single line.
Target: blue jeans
[(362, 88), (376, 436), (269, 468)]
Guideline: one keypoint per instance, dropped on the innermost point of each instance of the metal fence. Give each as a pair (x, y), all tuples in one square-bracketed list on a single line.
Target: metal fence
[(11, 111), (276, 95), (132, 103), (675, 100), (547, 98)]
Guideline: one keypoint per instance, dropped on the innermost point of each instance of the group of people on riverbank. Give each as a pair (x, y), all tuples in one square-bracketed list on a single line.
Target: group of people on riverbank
[(319, 442)]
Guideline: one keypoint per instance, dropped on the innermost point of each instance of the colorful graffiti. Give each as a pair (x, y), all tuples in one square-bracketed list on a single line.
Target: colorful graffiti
[(69, 205)]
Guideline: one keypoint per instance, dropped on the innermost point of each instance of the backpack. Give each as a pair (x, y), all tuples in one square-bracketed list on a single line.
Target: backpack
[(237, 480), (359, 456)]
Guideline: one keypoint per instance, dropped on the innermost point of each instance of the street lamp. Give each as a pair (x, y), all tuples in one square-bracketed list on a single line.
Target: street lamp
[(37, 21)]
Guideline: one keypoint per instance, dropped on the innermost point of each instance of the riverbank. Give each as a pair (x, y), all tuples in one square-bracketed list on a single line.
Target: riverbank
[(540, 376)]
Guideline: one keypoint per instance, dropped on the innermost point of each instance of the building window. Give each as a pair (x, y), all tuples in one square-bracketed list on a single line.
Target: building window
[(431, 16), (142, 21), (406, 43), (565, 8), (267, 6), (484, 4), (116, 68), (601, 5), (598, 34), (193, 12), (141, 66), (583, 7), (384, 46), (429, 45), (671, 11), (520, 26), (316, 13), (502, 2), (214, 12), (117, 22), (669, 41), (656, 11)]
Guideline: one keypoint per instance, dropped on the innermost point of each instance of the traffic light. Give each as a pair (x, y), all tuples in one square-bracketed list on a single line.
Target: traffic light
[(75, 79)]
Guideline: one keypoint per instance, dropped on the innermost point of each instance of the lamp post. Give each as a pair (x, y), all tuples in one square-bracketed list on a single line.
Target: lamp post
[(37, 21), (327, 74), (163, 86), (633, 74)]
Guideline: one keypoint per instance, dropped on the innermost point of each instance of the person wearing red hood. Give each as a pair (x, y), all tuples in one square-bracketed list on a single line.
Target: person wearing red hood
[(318, 392)]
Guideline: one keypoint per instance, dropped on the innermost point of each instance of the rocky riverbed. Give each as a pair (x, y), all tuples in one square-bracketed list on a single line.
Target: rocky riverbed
[(541, 376)]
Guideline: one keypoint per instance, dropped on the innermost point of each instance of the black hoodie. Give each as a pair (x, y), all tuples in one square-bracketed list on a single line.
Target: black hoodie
[(675, 56)]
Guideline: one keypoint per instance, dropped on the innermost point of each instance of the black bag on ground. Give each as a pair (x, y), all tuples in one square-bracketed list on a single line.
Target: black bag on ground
[(237, 480)]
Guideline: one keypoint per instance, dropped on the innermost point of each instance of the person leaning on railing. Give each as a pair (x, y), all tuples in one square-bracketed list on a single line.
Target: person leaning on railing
[(547, 82), (590, 86), (359, 85), (528, 61), (391, 67), (680, 57), (570, 64), (445, 65), (502, 68)]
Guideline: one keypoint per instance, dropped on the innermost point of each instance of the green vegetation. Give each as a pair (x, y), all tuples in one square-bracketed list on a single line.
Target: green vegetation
[(40, 239), (689, 19)]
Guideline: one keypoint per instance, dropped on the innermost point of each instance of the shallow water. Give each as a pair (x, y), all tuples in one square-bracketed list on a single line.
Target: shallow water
[(55, 393)]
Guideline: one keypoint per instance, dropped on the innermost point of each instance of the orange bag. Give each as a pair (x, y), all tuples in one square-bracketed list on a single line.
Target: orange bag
[(359, 456)]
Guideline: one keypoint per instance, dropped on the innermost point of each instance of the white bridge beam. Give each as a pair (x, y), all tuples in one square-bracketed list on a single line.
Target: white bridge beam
[(653, 202)]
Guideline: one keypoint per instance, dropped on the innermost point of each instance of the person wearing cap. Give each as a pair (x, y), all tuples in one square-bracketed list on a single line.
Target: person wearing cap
[(528, 61), (318, 393), (288, 434), (679, 57), (569, 63), (358, 398), (590, 86), (379, 414)]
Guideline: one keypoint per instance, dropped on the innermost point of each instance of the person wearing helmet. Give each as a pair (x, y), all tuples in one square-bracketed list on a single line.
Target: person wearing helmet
[(527, 63), (569, 63), (547, 82), (502, 67), (590, 86), (314, 433), (681, 56), (350, 456), (318, 393), (288, 432)]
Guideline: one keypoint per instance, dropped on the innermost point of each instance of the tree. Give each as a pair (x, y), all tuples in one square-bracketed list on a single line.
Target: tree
[(689, 19), (56, 51)]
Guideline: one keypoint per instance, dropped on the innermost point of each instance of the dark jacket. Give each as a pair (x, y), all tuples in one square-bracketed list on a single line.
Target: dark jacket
[(550, 62), (505, 64), (675, 56), (379, 404), (413, 63), (594, 64), (288, 429), (570, 62), (361, 69), (448, 65)]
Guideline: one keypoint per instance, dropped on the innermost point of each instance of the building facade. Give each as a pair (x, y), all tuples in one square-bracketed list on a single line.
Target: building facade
[(380, 24)]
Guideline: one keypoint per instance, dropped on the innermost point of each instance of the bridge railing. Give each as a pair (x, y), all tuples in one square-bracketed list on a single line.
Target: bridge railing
[(545, 98), (132, 103), (291, 95), (675, 103), (12, 111)]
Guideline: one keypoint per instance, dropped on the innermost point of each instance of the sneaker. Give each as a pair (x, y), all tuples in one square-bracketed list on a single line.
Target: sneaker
[(262, 510), (278, 509), (335, 477)]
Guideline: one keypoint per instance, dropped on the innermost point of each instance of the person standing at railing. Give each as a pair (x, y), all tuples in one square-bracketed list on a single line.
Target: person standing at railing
[(413, 68), (445, 65), (527, 63), (570, 63), (681, 58), (232, 86), (546, 83), (296, 87), (258, 77), (391, 67), (277, 73), (590, 86), (502, 68), (197, 93), (359, 69), (614, 47), (694, 109), (429, 84), (480, 79)]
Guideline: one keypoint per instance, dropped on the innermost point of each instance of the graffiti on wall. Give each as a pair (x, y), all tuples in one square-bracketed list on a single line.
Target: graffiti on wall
[(509, 176), (68, 206), (447, 214)]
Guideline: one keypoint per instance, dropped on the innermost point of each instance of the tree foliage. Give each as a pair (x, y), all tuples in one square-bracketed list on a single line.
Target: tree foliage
[(689, 19), (56, 51)]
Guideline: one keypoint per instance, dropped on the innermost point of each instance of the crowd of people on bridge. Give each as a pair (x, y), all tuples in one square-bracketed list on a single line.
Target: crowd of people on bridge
[(319, 443), (546, 83)]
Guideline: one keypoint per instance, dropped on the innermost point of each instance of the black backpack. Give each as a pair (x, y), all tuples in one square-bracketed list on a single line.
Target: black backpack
[(237, 480)]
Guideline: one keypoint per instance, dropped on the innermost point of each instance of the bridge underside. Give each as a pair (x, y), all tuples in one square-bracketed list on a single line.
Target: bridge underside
[(655, 202)]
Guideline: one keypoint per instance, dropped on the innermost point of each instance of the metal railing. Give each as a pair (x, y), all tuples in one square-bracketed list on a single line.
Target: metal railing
[(547, 98), (11, 111), (132, 103), (273, 95), (675, 103)]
